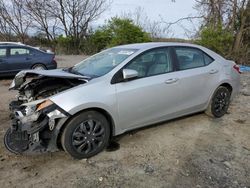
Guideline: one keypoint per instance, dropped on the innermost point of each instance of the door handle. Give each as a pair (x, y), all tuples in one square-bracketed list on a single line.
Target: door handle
[(171, 80), (213, 71), (28, 58)]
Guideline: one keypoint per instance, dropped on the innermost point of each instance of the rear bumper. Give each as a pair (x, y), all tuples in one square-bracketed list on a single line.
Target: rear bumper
[(52, 65), (236, 87)]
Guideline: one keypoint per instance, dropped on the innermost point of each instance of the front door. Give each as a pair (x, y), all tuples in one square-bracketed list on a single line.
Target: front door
[(153, 95)]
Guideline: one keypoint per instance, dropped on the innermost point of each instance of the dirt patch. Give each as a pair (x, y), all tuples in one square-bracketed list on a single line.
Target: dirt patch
[(195, 151)]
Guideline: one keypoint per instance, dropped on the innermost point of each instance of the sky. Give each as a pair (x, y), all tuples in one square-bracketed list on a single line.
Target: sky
[(156, 9)]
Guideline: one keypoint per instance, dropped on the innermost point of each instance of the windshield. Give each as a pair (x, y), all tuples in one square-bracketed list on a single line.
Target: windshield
[(102, 62)]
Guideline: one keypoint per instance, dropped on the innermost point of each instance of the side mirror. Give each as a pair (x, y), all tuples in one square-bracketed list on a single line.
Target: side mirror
[(129, 74)]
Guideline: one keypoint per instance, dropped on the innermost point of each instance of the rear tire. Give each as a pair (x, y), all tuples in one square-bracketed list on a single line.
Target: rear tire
[(219, 103), (86, 134), (39, 67)]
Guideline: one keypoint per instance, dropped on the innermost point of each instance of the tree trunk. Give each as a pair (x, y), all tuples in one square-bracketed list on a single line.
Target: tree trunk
[(240, 32)]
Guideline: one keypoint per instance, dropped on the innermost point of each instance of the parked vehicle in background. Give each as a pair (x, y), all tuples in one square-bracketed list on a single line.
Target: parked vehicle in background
[(15, 57), (122, 88)]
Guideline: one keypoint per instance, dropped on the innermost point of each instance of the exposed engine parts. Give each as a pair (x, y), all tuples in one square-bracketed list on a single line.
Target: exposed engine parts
[(41, 88)]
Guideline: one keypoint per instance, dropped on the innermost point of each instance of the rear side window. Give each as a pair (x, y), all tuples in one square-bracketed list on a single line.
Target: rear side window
[(189, 58), (3, 52), (208, 59), (19, 51)]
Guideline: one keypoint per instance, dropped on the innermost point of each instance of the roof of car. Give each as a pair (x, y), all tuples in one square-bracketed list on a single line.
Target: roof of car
[(19, 44), (150, 45), (12, 43), (147, 45)]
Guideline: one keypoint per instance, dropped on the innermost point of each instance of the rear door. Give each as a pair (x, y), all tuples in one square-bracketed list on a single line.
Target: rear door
[(19, 58), (153, 96), (197, 76)]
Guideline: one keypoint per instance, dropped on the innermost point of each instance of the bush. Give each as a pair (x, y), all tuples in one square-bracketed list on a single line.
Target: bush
[(117, 32), (96, 41), (67, 45), (218, 40)]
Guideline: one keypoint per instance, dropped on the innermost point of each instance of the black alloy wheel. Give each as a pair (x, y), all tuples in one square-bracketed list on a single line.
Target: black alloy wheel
[(86, 134), (220, 102)]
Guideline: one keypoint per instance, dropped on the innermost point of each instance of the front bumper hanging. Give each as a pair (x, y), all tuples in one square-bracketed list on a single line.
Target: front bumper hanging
[(35, 132)]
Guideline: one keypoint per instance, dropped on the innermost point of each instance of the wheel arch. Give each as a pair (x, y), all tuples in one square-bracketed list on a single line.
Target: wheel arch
[(208, 110), (107, 115), (227, 85)]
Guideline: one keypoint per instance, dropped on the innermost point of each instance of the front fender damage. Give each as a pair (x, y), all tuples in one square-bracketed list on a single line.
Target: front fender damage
[(34, 130)]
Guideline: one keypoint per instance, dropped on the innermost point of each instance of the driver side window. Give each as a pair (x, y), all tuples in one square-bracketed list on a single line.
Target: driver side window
[(152, 63), (3, 52)]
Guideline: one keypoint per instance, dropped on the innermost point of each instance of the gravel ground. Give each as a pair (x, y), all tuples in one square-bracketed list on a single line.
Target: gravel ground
[(194, 151)]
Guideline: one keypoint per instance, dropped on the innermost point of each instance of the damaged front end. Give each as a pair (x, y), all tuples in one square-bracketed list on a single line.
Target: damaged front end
[(36, 120), (32, 128)]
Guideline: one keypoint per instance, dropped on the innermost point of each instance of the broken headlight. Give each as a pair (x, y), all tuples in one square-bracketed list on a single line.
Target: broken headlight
[(44, 104), (52, 111)]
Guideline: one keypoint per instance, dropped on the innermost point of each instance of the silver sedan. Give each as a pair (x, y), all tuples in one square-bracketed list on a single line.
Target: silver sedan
[(119, 89)]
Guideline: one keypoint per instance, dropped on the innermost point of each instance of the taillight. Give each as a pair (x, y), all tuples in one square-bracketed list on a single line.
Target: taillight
[(237, 68), (54, 59)]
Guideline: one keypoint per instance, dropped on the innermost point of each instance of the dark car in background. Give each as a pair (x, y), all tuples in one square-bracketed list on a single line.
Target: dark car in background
[(15, 57)]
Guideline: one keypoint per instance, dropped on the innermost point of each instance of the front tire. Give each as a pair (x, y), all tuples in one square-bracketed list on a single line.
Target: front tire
[(219, 103), (86, 134)]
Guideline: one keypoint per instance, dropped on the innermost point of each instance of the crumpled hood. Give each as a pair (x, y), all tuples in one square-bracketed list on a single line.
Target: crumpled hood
[(20, 78)]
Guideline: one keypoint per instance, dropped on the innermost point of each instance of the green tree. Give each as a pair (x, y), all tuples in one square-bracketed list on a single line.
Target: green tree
[(217, 39), (99, 40), (117, 32), (124, 31)]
